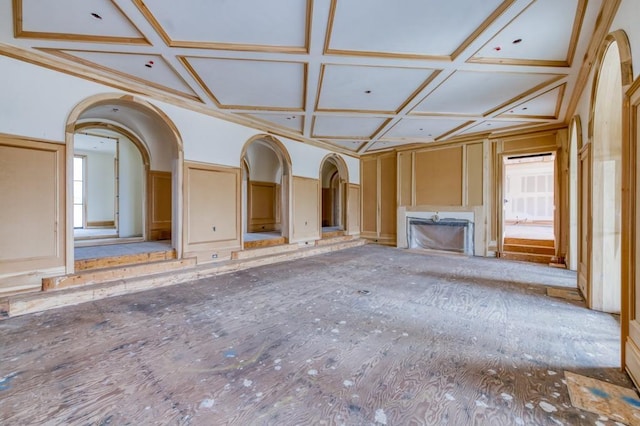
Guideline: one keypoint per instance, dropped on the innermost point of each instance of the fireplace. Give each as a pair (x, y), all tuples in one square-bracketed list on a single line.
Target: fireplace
[(441, 233)]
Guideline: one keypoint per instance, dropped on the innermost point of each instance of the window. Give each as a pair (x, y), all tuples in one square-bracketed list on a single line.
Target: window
[(79, 186)]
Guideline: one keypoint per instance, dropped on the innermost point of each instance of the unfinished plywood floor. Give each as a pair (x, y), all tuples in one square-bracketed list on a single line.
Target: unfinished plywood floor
[(438, 340)]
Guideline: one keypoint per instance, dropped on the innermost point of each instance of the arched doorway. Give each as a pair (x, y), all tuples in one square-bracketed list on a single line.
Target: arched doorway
[(334, 179), (146, 174), (605, 137), (266, 170), (575, 144)]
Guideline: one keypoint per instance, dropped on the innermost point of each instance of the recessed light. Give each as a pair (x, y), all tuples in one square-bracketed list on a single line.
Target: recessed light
[(525, 108), (367, 91), (517, 41), (95, 15)]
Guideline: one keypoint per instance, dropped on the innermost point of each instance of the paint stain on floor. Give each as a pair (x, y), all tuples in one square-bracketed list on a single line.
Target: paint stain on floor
[(612, 401)]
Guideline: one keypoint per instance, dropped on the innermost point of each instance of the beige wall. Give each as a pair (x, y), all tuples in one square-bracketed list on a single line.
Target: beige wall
[(32, 219), (306, 210), (263, 206), (463, 177)]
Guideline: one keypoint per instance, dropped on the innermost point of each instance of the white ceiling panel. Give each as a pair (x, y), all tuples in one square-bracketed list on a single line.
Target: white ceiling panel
[(346, 126), (542, 32), (425, 128), (147, 69), (247, 84), (489, 126), (239, 22), (477, 93), (412, 27), (359, 88), (95, 143), (82, 18), (543, 106), (290, 121)]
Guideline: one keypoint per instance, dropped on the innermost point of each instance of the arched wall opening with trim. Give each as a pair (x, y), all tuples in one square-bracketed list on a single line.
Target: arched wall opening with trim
[(605, 138), (152, 186), (266, 192), (334, 180)]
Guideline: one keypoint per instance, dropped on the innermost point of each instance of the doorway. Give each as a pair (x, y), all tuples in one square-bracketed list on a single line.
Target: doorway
[(528, 207)]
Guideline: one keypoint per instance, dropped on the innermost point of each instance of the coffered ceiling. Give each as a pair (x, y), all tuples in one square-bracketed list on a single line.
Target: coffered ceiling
[(355, 75)]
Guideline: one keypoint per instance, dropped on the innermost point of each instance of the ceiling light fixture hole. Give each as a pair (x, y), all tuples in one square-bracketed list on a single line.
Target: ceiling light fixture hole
[(367, 91), (517, 41), (96, 16)]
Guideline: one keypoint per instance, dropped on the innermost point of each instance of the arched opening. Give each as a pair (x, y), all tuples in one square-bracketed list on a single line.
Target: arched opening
[(124, 161), (575, 144), (334, 179), (266, 170), (606, 178)]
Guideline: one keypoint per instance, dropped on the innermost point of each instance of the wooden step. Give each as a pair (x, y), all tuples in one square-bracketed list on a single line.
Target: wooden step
[(529, 242), (111, 274), (527, 257), (22, 304), (333, 240), (263, 251), (516, 248), (264, 243), (332, 234), (122, 260)]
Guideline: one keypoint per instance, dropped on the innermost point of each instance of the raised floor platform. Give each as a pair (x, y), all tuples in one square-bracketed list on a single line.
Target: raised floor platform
[(97, 284)]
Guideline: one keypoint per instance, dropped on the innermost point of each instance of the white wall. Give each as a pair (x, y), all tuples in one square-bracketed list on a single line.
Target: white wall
[(131, 188), (100, 169), (264, 165), (36, 103)]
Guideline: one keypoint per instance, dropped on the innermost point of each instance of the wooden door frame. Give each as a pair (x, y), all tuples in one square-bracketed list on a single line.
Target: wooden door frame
[(500, 192)]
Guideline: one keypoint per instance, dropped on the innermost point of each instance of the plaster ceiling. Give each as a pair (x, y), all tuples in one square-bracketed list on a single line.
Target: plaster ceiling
[(355, 75)]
